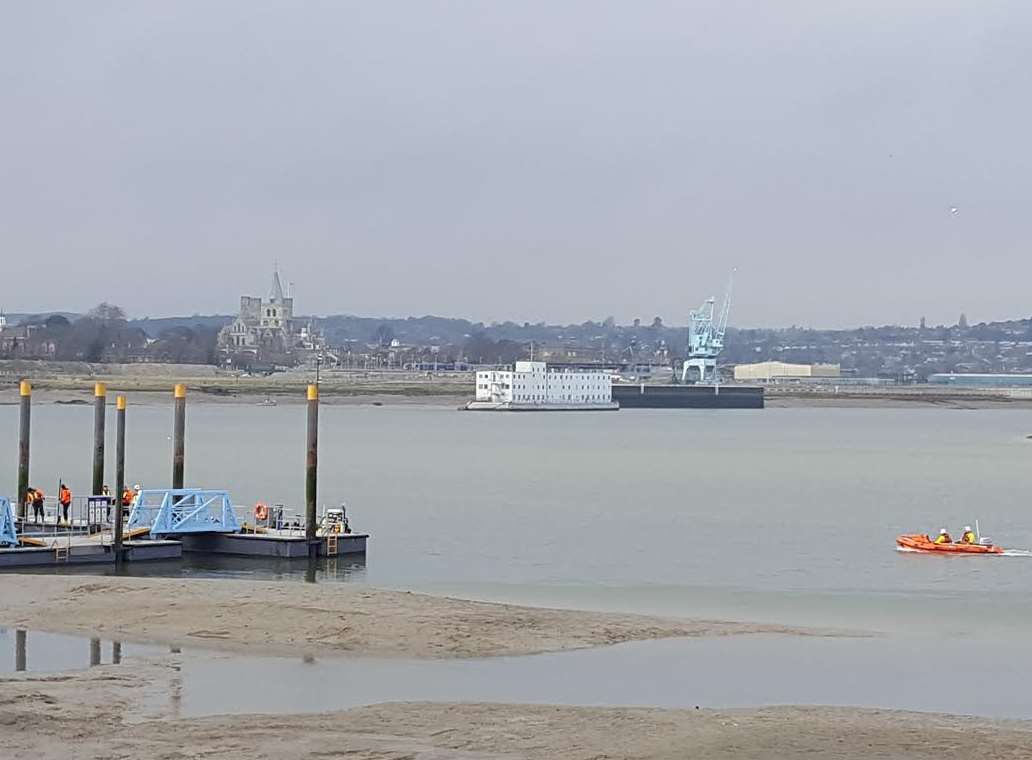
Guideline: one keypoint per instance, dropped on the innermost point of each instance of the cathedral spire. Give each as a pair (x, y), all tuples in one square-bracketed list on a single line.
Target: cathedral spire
[(277, 286)]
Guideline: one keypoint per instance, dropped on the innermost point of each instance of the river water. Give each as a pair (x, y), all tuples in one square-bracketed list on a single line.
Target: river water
[(780, 515), (883, 672)]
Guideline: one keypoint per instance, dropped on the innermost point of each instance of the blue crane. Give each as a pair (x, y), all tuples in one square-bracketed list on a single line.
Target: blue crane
[(706, 338)]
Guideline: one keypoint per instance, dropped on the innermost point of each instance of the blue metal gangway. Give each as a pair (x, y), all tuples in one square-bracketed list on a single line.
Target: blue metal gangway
[(8, 533), (174, 511)]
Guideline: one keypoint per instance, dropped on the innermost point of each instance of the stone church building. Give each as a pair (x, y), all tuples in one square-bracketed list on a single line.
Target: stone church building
[(269, 324)]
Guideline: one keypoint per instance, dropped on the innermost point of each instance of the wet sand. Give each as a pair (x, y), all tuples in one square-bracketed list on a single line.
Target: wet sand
[(132, 709), (123, 712), (338, 619)]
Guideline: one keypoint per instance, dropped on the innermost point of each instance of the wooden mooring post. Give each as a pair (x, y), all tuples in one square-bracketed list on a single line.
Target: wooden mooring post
[(119, 475), (312, 471), (99, 417), (19, 650), (179, 437), (23, 447)]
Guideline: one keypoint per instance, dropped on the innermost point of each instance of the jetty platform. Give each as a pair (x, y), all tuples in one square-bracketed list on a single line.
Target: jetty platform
[(86, 550), (56, 551), (163, 523), (278, 544)]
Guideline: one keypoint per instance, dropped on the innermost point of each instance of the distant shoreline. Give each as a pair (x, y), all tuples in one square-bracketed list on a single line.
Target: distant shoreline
[(72, 383), (451, 398)]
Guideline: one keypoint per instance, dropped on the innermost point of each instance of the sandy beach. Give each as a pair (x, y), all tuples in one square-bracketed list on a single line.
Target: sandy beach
[(131, 710), (338, 619), (102, 713)]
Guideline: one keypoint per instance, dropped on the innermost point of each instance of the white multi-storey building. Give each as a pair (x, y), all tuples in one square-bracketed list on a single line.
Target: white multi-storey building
[(532, 385)]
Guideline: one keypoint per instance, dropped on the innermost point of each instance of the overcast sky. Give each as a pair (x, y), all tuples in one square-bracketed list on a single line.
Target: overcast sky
[(858, 162)]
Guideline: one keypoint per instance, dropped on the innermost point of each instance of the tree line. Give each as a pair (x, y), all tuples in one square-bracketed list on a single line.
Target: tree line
[(104, 334)]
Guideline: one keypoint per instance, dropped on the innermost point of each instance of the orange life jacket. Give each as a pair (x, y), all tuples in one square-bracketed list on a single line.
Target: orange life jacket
[(65, 496), (127, 497)]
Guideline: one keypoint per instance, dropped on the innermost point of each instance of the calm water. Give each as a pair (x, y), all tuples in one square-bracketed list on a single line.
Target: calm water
[(783, 514), (724, 672)]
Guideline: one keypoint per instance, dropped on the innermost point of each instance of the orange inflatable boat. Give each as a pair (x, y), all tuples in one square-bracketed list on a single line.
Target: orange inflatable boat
[(922, 543)]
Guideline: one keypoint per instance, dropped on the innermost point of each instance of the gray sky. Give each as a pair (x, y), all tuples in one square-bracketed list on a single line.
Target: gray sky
[(526, 160)]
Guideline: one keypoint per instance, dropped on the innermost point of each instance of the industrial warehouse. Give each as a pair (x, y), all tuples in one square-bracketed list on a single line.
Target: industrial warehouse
[(783, 371)]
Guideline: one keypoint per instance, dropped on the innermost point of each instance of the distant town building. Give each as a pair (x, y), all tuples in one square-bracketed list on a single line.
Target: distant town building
[(774, 371), (981, 380), (570, 354), (532, 385), (14, 340), (269, 325)]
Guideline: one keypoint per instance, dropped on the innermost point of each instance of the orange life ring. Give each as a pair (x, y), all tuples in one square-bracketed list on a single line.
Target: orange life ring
[(261, 512)]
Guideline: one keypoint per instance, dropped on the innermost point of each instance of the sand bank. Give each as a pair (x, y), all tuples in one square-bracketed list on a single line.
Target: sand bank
[(97, 714), (323, 619)]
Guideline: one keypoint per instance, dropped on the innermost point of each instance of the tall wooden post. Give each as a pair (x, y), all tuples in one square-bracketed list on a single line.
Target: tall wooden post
[(119, 474), (312, 470), (23, 447), (19, 650), (99, 416), (179, 437)]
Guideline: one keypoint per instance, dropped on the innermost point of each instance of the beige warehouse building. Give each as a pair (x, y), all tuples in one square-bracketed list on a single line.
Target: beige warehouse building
[(772, 371)]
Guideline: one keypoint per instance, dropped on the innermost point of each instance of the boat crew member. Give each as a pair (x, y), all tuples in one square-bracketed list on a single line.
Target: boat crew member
[(30, 501), (943, 537), (969, 536), (64, 498), (37, 505)]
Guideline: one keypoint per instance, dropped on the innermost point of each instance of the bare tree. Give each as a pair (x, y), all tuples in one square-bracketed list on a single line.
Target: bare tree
[(107, 312)]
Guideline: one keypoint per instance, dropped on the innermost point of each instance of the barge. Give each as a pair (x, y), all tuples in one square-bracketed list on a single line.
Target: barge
[(670, 396)]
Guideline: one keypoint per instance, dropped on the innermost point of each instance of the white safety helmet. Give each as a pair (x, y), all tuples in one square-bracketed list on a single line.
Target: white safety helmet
[(942, 532), (967, 528), (136, 487)]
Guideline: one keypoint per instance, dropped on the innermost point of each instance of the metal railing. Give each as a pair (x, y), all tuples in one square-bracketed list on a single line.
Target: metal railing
[(172, 511), (284, 521), (85, 514), (94, 516)]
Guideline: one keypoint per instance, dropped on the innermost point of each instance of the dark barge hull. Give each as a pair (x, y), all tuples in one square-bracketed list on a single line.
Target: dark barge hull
[(688, 396)]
